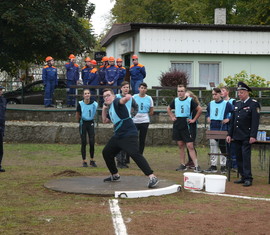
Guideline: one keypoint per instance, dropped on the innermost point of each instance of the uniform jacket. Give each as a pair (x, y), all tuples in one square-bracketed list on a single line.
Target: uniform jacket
[(122, 73), (101, 73), (49, 73), (93, 77), (137, 72), (112, 73), (72, 71), (86, 74), (245, 120)]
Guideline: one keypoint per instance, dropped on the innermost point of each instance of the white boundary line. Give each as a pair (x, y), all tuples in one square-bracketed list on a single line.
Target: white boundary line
[(235, 196), (118, 222)]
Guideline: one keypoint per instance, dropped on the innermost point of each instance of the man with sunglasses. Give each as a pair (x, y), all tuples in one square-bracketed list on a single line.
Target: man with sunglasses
[(125, 137)]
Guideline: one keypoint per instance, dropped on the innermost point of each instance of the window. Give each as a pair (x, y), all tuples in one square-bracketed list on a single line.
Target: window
[(208, 72), (184, 67)]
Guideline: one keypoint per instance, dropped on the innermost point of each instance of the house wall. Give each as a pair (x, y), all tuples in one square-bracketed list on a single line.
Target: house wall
[(153, 52)]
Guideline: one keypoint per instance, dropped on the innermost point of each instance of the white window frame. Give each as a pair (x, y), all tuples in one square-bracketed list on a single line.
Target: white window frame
[(207, 81), (190, 75)]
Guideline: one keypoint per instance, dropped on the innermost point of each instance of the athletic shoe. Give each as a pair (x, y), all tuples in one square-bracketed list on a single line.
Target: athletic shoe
[(223, 170), (181, 168), (211, 169), (112, 178), (93, 163), (190, 165), (2, 170), (84, 164), (153, 181), (198, 169)]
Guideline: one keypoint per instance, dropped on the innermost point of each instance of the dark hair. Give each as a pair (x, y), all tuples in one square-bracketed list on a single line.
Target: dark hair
[(124, 83), (108, 89), (143, 84), (86, 89), (182, 86), (217, 90)]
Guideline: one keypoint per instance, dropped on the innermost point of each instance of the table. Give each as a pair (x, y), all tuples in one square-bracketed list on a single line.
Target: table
[(263, 145)]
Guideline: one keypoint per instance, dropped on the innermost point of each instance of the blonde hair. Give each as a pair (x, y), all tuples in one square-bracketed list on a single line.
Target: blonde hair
[(193, 96)]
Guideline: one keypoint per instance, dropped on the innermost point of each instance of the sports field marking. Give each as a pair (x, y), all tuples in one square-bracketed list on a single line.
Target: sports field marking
[(235, 196), (118, 222), (147, 193)]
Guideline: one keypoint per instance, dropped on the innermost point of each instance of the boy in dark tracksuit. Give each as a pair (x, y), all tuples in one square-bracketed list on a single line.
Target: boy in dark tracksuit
[(3, 103)]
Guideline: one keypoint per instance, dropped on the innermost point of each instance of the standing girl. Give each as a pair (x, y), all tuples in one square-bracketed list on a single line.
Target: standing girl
[(85, 114)]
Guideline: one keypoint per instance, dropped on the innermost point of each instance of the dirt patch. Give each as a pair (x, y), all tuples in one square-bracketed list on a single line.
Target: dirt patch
[(67, 173)]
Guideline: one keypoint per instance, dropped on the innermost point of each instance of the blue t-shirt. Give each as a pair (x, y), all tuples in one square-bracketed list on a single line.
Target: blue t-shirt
[(120, 117), (218, 111), (88, 111)]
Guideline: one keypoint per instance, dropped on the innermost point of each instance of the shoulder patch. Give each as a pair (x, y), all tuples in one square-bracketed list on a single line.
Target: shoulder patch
[(237, 101), (76, 65), (131, 66), (254, 100), (46, 66)]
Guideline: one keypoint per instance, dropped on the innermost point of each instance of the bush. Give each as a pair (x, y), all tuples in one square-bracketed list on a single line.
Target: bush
[(173, 78), (252, 80)]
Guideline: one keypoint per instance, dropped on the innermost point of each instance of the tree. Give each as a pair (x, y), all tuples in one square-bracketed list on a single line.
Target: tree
[(248, 12), (146, 11), (30, 30)]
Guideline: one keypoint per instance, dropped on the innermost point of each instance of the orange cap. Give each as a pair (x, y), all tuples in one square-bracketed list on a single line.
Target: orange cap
[(87, 59), (48, 58), (105, 58), (93, 62), (119, 60), (71, 56), (111, 58), (134, 57)]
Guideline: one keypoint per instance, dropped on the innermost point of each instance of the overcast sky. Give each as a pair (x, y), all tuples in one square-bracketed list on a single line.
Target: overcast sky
[(103, 8)]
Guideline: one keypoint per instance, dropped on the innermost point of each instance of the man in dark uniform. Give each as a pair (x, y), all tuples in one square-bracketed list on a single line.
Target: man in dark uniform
[(3, 103), (243, 130)]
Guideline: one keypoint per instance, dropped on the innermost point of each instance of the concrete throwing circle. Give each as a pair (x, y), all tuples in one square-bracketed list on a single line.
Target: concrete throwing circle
[(96, 186)]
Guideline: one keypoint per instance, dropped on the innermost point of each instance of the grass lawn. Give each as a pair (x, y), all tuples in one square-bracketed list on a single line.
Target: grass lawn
[(26, 207)]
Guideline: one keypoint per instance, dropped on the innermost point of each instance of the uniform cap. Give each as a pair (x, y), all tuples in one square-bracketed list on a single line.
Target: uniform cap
[(48, 58), (134, 57), (243, 86), (93, 62), (1, 87), (87, 59), (111, 58), (105, 58), (71, 56), (119, 60)]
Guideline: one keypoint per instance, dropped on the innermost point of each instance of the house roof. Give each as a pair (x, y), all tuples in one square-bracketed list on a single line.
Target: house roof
[(118, 29)]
